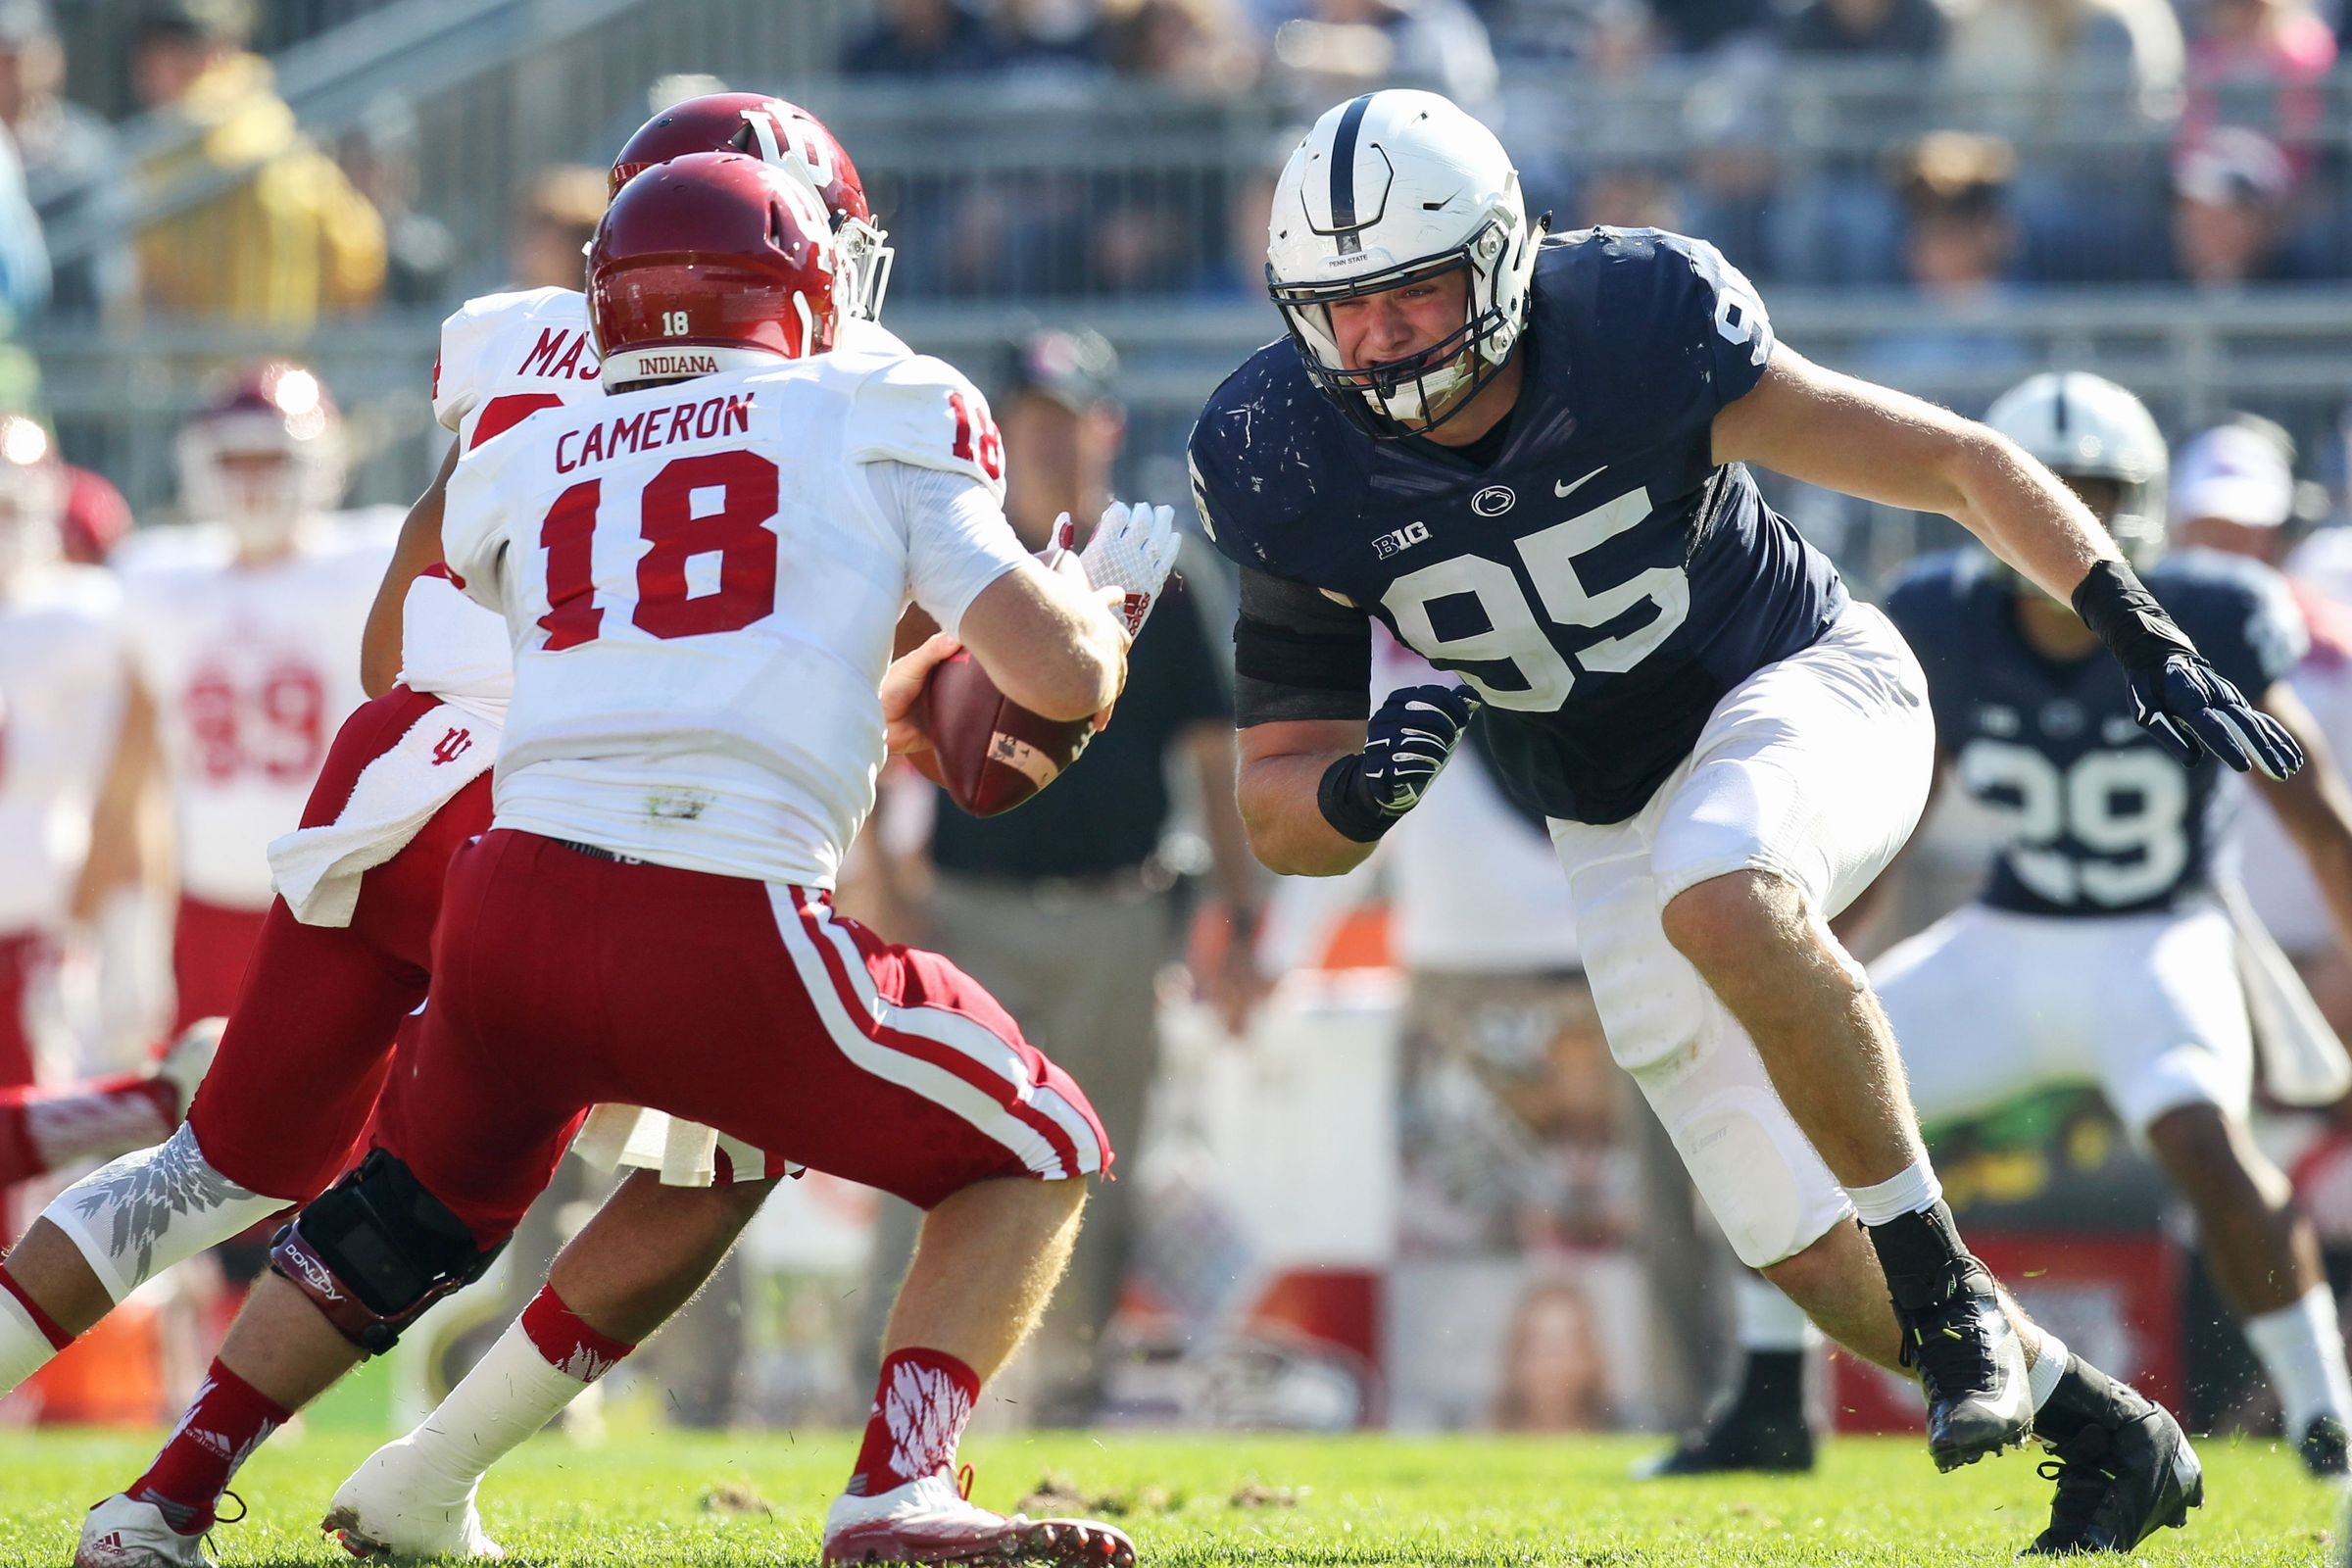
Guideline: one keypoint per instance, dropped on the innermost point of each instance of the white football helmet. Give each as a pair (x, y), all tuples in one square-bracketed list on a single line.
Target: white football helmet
[(2084, 427), (32, 497), (264, 454), (1389, 188)]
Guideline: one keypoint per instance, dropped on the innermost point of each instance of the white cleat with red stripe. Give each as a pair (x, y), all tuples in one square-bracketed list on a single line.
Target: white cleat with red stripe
[(930, 1521)]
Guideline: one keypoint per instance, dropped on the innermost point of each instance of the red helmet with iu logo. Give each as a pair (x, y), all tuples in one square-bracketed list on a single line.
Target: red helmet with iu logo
[(785, 134), (710, 261)]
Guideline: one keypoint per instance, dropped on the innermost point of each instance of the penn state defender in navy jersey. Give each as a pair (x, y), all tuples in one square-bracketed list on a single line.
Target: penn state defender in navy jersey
[(2102, 954), (1525, 460), (1598, 579), (2100, 818)]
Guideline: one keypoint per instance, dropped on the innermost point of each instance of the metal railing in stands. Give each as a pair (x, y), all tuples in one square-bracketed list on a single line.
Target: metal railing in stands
[(2287, 353), (1042, 186)]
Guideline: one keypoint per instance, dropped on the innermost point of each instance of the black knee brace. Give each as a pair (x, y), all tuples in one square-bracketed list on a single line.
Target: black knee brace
[(374, 1251)]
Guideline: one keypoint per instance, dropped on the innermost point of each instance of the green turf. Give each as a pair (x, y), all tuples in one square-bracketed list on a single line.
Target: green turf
[(1193, 1501)]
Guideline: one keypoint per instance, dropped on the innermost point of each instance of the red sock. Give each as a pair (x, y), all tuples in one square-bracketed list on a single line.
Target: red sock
[(920, 1408), (224, 1423), (569, 1345)]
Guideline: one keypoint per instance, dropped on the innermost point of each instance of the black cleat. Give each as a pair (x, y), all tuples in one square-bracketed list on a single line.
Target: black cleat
[(2327, 1452), (2123, 1467), (1972, 1367), (1760, 1426)]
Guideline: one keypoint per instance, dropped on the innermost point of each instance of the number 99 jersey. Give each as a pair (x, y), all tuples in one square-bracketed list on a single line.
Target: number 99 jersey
[(2097, 819), (700, 582), (1596, 576)]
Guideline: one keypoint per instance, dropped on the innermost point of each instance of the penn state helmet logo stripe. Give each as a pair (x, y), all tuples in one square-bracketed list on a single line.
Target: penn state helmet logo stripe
[(1342, 179)]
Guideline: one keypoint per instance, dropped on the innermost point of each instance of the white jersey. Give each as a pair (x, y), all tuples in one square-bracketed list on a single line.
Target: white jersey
[(64, 673), (252, 668), (503, 358), (700, 582)]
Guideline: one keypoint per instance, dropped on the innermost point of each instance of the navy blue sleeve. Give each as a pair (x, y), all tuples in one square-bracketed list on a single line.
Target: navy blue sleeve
[(1679, 332), (2243, 617)]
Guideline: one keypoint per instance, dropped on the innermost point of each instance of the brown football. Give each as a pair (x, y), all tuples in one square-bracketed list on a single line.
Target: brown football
[(993, 753)]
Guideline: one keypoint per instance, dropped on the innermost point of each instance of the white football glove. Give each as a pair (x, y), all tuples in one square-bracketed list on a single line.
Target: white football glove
[(1133, 550)]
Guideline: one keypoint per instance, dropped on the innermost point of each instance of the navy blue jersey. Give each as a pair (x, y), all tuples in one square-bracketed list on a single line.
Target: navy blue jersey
[(2099, 818), (1601, 582)]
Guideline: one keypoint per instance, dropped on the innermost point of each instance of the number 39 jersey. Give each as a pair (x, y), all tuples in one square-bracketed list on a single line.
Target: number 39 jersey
[(251, 668), (2098, 818), (700, 582), (1600, 581)]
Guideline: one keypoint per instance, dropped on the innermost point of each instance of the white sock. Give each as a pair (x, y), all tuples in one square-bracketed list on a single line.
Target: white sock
[(511, 1393), (2052, 1358), (2302, 1347), (1913, 1191), (24, 1348), (1768, 1320)]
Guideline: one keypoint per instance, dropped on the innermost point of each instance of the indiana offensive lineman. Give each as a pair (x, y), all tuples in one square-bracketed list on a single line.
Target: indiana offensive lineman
[(343, 959), (694, 739), (1525, 456), (2099, 953), (241, 623)]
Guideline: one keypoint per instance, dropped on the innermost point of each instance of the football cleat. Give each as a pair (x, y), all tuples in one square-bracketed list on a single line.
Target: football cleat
[(2123, 1467), (125, 1533), (1972, 1367), (2325, 1448), (1736, 1440), (932, 1520), (391, 1506)]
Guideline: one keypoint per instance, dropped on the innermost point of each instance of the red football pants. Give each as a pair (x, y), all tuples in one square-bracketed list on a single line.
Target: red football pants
[(310, 1037), (23, 958), (563, 979)]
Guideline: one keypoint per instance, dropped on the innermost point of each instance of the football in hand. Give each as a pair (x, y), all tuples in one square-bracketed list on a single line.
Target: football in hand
[(992, 753)]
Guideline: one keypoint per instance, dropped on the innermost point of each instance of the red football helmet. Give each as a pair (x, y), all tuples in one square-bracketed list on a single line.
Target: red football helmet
[(789, 136), (710, 261), (32, 495), (264, 453)]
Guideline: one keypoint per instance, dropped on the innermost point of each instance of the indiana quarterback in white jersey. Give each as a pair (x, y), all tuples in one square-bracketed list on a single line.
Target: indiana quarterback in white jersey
[(703, 581), (241, 627)]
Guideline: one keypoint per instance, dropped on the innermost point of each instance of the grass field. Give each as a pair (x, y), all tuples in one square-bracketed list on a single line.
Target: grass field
[(1190, 1501)]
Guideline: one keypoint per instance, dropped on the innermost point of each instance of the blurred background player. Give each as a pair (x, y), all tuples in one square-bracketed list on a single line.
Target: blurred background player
[(2099, 950), (1066, 913), (241, 622), (76, 759)]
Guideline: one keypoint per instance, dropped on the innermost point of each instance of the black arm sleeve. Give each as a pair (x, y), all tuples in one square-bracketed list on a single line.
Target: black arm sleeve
[(1296, 655)]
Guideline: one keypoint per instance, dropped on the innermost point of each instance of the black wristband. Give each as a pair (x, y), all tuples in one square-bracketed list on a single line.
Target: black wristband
[(1348, 806), (2114, 602)]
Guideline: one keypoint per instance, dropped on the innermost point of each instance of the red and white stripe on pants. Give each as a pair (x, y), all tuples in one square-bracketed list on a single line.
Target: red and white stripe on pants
[(562, 979), (310, 1037)]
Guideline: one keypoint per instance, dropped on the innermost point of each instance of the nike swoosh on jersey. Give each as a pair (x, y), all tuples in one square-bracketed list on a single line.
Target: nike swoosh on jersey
[(1566, 487)]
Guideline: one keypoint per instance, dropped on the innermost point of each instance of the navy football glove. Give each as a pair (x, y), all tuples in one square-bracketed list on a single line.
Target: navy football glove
[(1406, 745), (2177, 696)]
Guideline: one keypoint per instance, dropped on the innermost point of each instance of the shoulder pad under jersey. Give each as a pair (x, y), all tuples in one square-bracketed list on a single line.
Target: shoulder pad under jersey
[(921, 411), (498, 336), (1263, 455)]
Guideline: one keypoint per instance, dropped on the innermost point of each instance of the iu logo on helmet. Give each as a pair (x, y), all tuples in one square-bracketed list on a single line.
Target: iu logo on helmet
[(451, 746)]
